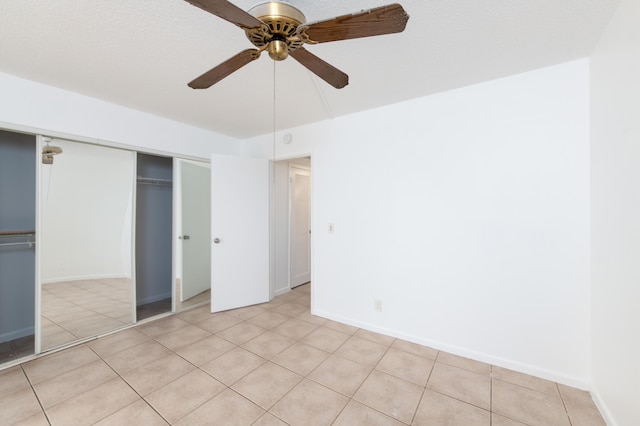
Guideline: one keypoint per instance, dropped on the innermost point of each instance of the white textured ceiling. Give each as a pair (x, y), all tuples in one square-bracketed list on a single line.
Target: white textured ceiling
[(141, 54)]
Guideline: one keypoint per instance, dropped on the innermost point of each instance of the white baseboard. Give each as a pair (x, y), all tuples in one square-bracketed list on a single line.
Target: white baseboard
[(578, 382), (603, 407), (282, 291)]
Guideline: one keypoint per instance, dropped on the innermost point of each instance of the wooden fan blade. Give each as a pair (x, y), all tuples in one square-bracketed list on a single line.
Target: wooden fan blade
[(227, 11), (381, 20), (322, 69), (216, 74)]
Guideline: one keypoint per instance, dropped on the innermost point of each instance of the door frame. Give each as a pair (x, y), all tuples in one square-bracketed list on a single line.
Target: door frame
[(278, 231)]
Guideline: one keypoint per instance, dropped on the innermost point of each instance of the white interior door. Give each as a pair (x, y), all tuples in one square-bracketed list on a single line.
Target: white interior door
[(240, 232), (300, 226), (195, 186)]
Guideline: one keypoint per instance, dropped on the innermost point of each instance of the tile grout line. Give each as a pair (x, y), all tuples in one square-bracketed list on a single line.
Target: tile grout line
[(425, 388), (271, 361), (531, 390), (195, 368), (268, 410), (131, 387), (228, 387), (362, 383), (564, 404), (461, 400), (36, 395), (491, 396), (302, 378)]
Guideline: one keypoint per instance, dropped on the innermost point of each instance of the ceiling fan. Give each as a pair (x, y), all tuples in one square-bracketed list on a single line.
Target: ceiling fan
[(281, 29)]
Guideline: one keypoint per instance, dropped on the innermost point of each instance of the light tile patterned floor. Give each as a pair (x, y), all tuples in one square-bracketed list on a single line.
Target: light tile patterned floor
[(275, 364)]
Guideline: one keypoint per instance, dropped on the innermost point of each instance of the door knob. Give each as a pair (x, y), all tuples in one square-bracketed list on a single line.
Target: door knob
[(184, 237), (216, 240)]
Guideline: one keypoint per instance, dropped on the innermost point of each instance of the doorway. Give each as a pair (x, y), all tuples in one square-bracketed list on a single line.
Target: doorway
[(292, 223)]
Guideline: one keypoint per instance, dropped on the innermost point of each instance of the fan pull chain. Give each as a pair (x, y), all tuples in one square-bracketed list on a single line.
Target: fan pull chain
[(273, 274)]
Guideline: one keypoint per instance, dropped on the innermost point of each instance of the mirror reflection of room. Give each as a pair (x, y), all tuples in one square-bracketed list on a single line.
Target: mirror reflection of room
[(86, 210)]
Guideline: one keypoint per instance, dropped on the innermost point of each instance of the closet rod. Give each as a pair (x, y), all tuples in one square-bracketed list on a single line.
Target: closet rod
[(16, 233), (154, 181)]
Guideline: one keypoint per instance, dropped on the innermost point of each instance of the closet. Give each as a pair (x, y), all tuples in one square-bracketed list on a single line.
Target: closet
[(154, 220), (106, 221), (17, 245)]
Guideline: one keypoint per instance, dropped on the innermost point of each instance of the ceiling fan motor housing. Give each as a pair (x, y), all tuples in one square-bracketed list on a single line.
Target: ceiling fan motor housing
[(278, 35)]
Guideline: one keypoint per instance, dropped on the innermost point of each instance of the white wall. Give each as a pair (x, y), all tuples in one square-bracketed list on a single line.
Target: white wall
[(467, 214), (35, 105), (615, 189)]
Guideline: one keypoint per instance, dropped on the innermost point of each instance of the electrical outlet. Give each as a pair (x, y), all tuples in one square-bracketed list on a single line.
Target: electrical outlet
[(331, 228), (377, 305)]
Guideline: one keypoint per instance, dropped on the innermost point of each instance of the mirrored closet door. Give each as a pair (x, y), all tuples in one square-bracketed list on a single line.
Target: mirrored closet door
[(86, 199), (192, 211)]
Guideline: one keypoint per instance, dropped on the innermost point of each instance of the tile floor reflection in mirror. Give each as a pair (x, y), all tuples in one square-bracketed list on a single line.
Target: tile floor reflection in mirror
[(74, 310), (275, 364)]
